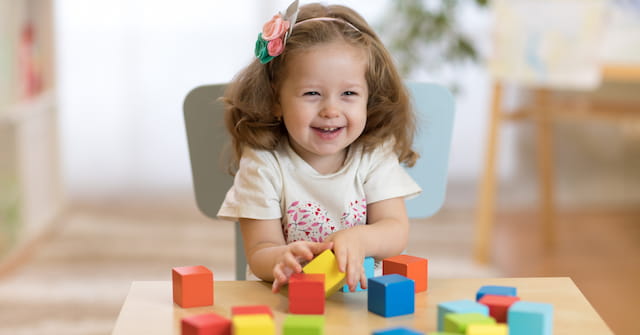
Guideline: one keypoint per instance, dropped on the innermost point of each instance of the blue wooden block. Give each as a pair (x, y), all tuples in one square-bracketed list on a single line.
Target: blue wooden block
[(369, 271), (391, 295), (397, 331), (530, 318), (459, 307), (496, 290)]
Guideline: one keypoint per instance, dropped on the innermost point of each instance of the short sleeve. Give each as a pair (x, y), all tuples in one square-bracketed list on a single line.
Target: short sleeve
[(386, 178), (256, 190)]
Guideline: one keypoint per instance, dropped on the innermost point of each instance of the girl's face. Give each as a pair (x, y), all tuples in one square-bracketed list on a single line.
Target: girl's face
[(323, 102)]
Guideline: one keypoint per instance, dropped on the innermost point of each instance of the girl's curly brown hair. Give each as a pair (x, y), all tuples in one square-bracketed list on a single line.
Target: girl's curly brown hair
[(251, 96)]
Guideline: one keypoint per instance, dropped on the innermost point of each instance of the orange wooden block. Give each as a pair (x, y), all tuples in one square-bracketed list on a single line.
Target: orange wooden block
[(412, 267), (192, 286)]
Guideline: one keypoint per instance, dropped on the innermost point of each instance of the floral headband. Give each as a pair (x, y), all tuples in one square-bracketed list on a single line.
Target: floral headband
[(275, 32)]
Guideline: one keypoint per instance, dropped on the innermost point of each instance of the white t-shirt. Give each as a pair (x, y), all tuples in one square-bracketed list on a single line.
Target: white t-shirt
[(279, 184)]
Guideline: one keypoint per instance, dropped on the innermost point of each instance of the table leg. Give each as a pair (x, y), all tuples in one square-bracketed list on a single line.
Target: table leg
[(487, 194), (544, 139)]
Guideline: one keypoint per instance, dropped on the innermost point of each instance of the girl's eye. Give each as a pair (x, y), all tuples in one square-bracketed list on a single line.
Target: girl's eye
[(311, 93), (349, 93)]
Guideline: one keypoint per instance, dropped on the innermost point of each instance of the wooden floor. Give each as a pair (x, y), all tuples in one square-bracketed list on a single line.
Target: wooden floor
[(598, 249)]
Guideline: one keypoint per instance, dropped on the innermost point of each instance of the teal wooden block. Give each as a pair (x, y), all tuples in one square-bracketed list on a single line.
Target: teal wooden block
[(496, 290), (530, 318), (303, 325), (369, 271), (458, 307), (458, 322), (397, 331)]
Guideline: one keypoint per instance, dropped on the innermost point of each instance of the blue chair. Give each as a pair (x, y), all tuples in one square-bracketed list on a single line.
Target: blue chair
[(208, 139)]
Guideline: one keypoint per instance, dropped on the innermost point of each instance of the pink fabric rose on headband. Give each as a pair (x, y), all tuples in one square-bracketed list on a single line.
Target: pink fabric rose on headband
[(275, 28), (275, 47)]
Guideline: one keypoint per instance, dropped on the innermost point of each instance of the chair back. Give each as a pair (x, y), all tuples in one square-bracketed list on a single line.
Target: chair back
[(207, 139)]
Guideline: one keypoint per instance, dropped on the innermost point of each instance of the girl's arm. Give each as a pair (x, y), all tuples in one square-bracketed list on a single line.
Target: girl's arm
[(384, 235), (268, 254)]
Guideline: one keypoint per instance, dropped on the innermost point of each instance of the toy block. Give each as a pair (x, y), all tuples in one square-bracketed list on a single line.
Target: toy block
[(391, 295), (458, 322), (303, 325), (497, 329), (253, 324), (192, 286), (251, 310), (412, 267), (530, 318), (369, 265), (205, 324), (306, 293), (498, 305), (496, 290), (327, 264), (458, 307), (397, 331), (443, 333)]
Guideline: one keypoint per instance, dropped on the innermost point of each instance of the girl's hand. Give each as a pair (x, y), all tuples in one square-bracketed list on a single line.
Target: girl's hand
[(289, 261), (350, 252)]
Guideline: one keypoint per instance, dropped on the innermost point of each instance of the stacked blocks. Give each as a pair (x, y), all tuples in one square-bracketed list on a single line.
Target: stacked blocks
[(303, 325), (496, 290), (251, 310), (459, 307), (412, 267), (458, 322), (498, 305), (369, 265), (306, 293), (479, 329), (192, 286), (391, 295), (530, 318), (250, 324), (397, 331), (205, 324), (327, 264)]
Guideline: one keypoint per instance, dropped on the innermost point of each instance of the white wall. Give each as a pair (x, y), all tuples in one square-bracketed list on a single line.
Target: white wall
[(126, 65)]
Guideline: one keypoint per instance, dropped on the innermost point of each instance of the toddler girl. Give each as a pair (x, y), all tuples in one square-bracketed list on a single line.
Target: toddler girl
[(319, 122)]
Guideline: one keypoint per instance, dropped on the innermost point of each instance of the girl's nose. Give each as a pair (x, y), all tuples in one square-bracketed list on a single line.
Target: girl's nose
[(329, 110)]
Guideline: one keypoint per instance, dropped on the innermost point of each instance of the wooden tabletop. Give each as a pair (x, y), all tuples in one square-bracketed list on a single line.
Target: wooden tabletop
[(149, 309)]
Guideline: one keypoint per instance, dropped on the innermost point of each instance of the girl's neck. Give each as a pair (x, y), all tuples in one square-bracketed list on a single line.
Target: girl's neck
[(323, 164)]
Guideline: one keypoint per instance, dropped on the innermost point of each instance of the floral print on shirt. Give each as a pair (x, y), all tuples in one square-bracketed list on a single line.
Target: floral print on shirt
[(308, 221)]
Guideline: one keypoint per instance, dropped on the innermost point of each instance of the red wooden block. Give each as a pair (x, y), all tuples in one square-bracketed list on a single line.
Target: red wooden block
[(206, 324), (498, 305), (251, 310), (412, 267), (192, 286), (306, 293)]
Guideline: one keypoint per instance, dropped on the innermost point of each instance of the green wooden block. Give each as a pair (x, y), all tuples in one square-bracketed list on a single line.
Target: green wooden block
[(458, 322), (443, 333), (303, 325)]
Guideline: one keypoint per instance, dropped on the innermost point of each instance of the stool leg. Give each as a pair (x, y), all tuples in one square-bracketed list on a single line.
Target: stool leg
[(486, 202), (544, 139)]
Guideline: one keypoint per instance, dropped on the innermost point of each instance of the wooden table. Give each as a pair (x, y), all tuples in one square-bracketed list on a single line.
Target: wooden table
[(149, 309)]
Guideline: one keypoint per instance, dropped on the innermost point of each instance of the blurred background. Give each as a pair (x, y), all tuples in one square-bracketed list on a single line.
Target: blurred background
[(95, 180)]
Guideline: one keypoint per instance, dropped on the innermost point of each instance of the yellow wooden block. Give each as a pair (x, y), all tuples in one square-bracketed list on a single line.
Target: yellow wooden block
[(327, 263), (247, 324), (479, 329)]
